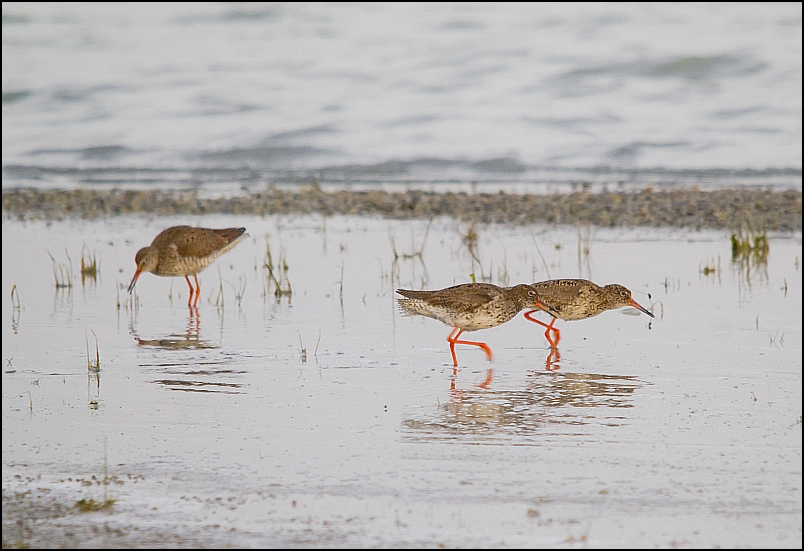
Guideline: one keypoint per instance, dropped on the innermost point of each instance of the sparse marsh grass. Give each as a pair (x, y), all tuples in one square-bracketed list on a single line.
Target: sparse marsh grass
[(584, 243), (219, 300), (16, 308), (749, 251), (132, 301), (89, 266), (15, 297), (772, 339), (240, 290), (471, 240), (414, 254), (281, 284), (584, 251), (94, 505), (503, 277), (302, 349), (750, 244), (538, 250), (710, 268), (62, 273), (93, 365), (340, 293), (502, 274)]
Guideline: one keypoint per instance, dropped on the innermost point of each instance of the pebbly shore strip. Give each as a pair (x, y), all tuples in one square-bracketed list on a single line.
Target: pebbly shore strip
[(682, 208)]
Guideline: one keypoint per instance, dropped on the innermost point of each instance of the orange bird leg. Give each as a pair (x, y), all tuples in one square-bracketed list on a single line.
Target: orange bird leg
[(190, 285), (452, 336), (453, 340), (553, 344), (196, 291)]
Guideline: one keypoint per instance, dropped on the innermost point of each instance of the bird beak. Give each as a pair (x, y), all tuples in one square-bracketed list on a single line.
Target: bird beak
[(134, 280), (633, 303)]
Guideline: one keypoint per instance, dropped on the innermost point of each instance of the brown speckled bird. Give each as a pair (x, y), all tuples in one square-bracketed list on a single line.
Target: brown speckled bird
[(469, 307), (577, 299), (185, 251)]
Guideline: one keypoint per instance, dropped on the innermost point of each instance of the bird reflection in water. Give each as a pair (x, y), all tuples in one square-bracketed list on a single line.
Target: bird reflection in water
[(553, 357), (183, 369), (550, 403), (485, 384), (180, 341)]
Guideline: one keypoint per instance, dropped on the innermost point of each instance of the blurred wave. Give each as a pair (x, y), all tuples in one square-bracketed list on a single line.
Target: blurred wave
[(536, 97)]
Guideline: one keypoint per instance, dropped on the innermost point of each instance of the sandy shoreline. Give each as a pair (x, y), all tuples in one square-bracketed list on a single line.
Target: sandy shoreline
[(688, 208)]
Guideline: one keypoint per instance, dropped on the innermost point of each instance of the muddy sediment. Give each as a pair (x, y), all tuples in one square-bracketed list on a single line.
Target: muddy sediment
[(686, 208)]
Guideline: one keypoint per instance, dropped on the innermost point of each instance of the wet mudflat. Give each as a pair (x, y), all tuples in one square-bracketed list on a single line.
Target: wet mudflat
[(323, 417)]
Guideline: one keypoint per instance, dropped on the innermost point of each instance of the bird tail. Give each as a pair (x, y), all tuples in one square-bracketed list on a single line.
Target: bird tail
[(410, 307)]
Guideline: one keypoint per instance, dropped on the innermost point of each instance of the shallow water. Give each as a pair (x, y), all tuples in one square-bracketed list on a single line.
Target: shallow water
[(328, 419)]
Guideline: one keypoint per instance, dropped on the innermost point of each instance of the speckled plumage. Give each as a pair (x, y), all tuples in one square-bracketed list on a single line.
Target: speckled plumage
[(469, 307), (576, 299), (185, 251)]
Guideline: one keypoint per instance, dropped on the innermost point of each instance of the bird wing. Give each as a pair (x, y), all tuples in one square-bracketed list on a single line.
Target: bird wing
[(198, 242), (462, 298)]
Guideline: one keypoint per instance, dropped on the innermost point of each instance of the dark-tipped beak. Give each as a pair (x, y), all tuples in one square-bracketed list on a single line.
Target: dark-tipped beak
[(633, 303), (134, 280)]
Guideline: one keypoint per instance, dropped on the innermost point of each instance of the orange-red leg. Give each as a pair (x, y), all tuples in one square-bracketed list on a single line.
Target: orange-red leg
[(197, 291), (190, 285), (453, 340), (553, 343)]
